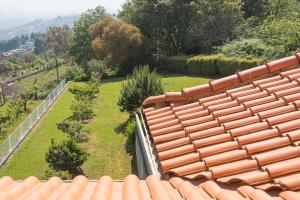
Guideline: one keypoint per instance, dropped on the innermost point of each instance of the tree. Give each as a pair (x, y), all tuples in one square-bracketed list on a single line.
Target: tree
[(117, 43), (82, 110), (66, 156), (97, 69), (29, 57), (81, 48), (39, 46), (71, 127), (58, 42), (4, 119), (26, 95), (140, 85)]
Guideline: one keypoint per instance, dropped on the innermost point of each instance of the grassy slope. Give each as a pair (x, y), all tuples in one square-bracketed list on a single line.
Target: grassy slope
[(110, 151)]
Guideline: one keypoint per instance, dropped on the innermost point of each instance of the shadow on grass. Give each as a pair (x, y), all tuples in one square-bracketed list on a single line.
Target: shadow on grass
[(129, 145)]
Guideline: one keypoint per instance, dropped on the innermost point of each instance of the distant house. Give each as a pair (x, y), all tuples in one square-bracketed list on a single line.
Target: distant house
[(8, 91), (23, 48)]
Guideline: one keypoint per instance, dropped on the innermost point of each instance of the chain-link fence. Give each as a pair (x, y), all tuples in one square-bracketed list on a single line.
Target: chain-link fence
[(11, 143)]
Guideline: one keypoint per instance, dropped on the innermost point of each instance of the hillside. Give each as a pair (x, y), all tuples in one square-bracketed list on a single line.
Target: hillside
[(37, 26)]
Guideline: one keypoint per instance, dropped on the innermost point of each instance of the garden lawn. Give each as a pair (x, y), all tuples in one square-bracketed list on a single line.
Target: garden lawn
[(111, 152)]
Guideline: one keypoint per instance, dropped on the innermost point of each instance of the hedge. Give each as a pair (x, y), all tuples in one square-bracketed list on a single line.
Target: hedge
[(210, 65), (228, 66), (204, 65), (176, 64)]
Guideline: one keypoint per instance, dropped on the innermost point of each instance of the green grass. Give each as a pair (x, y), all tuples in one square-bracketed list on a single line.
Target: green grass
[(43, 77), (110, 151), (31, 105)]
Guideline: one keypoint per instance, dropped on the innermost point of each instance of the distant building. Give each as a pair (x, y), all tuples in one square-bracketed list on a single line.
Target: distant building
[(23, 48)]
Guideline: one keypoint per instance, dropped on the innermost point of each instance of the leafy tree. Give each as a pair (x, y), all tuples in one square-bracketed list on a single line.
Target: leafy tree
[(58, 42), (26, 95), (66, 156), (29, 57), (255, 8), (82, 110), (116, 42), (140, 85), (71, 127), (39, 46), (81, 48)]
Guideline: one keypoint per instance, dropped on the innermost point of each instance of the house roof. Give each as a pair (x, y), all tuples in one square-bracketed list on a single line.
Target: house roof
[(241, 128), (80, 188), (9, 90)]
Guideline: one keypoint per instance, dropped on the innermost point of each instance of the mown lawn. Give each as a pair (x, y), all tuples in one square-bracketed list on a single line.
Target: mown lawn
[(111, 153)]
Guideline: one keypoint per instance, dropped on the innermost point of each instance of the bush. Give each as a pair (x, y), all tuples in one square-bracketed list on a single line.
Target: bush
[(247, 48), (84, 91), (64, 175), (97, 69), (228, 66), (66, 156), (74, 72), (204, 65), (82, 110), (176, 64), (71, 127), (140, 85), (130, 126)]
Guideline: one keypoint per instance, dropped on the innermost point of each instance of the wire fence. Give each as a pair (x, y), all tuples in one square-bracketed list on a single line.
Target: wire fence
[(13, 140)]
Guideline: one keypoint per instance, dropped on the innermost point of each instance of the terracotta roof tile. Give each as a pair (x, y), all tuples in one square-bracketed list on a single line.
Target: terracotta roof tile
[(235, 130)]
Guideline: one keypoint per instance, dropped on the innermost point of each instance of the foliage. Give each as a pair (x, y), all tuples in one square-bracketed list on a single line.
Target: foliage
[(117, 43), (84, 91), (130, 128), (14, 108), (57, 39), (176, 64), (64, 175), (97, 69), (6, 66), (29, 57), (71, 127), (66, 156), (188, 26), (247, 48), (204, 65), (228, 66), (4, 120), (82, 110), (39, 46), (81, 48), (140, 85), (74, 73)]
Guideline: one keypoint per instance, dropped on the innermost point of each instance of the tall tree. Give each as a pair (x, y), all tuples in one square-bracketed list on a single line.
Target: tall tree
[(58, 42), (81, 48), (39, 46), (118, 43)]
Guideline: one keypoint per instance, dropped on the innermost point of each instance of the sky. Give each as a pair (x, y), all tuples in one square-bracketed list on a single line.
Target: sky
[(52, 8)]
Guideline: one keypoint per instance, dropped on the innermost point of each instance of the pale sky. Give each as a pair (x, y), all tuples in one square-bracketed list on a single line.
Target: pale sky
[(52, 8)]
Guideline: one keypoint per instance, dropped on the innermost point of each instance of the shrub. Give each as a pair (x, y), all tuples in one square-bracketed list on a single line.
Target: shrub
[(71, 127), (64, 175), (74, 72), (228, 66), (176, 64), (97, 69), (130, 126), (66, 156), (84, 91), (247, 48), (140, 85), (204, 65), (82, 110)]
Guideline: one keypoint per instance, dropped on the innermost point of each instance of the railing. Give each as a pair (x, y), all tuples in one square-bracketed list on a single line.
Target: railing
[(13, 140)]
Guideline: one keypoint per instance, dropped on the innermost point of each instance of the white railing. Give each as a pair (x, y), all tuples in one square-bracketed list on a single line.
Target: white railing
[(13, 140)]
